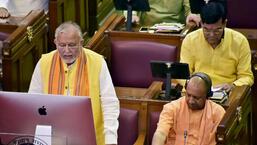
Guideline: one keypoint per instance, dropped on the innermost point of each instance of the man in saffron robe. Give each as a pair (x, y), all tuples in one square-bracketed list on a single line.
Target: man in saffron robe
[(192, 119), (76, 71)]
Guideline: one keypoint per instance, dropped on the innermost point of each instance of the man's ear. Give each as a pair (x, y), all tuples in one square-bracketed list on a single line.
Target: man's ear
[(55, 41), (201, 23), (82, 42), (225, 22)]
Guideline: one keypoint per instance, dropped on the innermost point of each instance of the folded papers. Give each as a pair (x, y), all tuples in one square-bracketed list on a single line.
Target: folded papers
[(168, 27)]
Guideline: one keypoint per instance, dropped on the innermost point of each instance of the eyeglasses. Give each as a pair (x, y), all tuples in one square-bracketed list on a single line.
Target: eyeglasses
[(214, 31), (70, 46)]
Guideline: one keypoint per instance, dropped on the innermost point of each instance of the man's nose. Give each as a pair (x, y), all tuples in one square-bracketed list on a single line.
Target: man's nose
[(191, 100), (212, 33), (66, 48)]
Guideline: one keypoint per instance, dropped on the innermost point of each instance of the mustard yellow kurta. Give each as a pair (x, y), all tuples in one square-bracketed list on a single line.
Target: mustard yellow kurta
[(167, 11), (229, 62), (200, 125), (93, 64)]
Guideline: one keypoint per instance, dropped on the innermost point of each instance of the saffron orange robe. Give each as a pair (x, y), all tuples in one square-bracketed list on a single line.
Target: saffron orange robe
[(194, 127)]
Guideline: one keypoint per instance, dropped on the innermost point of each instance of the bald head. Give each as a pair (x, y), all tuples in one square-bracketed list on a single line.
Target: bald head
[(199, 83), (196, 91)]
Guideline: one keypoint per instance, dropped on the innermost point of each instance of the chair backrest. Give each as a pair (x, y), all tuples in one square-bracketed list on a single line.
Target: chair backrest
[(130, 61), (3, 36), (154, 118), (128, 126), (242, 13)]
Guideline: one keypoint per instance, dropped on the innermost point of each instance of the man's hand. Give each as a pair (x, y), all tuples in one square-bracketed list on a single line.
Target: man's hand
[(158, 138), (193, 19), (4, 13), (226, 87), (135, 19)]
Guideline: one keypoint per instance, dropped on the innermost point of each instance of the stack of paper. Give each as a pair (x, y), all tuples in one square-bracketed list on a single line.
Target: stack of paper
[(219, 96), (168, 27), (3, 20)]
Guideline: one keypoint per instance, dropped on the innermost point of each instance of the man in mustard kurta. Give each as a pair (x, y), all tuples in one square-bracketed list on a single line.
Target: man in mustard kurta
[(76, 71), (192, 119), (169, 11), (163, 11), (221, 52)]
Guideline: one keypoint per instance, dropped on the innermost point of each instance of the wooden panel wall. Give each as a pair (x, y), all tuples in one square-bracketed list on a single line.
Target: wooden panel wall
[(22, 49), (89, 14), (99, 10), (66, 10)]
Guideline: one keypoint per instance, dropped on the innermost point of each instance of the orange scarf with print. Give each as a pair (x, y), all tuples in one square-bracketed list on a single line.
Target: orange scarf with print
[(57, 77)]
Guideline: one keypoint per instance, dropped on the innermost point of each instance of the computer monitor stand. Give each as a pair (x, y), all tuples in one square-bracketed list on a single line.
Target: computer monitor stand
[(129, 17), (168, 86), (170, 70), (171, 92)]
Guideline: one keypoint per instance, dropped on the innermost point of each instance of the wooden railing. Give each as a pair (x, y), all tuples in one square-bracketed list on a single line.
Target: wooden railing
[(236, 125)]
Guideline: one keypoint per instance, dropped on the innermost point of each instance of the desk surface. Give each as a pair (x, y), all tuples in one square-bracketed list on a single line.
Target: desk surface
[(136, 28), (127, 93)]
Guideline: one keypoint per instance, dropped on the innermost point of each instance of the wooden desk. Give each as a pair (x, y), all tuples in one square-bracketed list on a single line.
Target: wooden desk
[(112, 27), (26, 40)]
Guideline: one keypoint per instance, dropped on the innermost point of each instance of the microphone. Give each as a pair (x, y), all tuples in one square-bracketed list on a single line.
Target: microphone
[(185, 137)]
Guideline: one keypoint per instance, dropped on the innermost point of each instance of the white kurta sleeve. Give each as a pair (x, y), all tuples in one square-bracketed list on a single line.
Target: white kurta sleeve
[(36, 84), (110, 105)]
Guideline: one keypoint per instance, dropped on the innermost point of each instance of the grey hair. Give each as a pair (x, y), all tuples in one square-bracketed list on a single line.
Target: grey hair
[(64, 26)]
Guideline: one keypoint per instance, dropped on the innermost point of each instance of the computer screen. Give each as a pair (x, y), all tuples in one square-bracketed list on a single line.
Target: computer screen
[(175, 69), (137, 5), (71, 118), (196, 5), (170, 70)]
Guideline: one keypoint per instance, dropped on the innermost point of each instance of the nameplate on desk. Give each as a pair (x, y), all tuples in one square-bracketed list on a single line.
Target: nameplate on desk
[(44, 132)]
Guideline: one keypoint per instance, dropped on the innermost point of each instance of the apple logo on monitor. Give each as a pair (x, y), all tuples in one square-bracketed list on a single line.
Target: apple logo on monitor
[(42, 110)]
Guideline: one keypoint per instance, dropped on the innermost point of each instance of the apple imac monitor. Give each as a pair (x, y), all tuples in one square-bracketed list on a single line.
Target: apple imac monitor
[(70, 118), (131, 5)]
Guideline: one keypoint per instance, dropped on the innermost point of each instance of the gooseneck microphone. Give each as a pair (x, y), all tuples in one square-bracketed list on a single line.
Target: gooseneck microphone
[(185, 137)]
